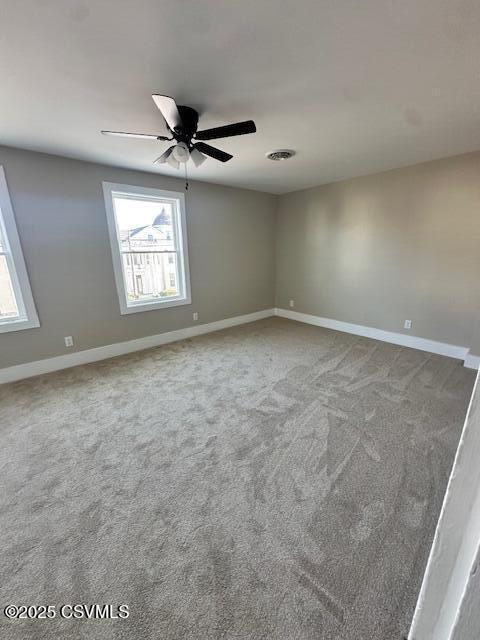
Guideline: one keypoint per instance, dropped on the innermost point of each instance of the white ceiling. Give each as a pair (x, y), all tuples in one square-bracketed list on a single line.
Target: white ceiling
[(354, 86)]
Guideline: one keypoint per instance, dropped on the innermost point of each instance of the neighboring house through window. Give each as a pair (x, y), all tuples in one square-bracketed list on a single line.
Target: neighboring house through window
[(149, 247), (17, 309)]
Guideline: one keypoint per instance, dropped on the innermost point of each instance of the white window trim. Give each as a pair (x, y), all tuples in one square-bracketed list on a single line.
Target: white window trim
[(18, 272), (111, 188)]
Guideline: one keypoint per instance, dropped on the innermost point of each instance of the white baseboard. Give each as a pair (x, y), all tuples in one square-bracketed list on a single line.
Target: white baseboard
[(29, 369), (432, 346)]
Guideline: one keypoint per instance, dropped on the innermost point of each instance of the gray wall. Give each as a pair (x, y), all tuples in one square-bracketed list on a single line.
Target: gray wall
[(60, 214), (403, 244), (374, 251)]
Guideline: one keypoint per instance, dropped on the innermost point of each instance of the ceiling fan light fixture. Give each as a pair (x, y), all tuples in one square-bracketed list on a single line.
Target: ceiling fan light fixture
[(164, 157), (197, 157), (180, 152), (172, 161), (280, 154)]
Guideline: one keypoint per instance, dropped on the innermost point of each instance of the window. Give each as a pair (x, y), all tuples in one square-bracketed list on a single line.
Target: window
[(148, 238), (17, 309)]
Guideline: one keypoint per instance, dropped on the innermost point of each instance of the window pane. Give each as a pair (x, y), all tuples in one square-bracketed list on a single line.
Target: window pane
[(8, 304), (150, 276), (144, 225), (149, 246)]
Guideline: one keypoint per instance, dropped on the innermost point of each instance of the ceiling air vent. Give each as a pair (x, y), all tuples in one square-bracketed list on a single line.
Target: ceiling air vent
[(280, 154)]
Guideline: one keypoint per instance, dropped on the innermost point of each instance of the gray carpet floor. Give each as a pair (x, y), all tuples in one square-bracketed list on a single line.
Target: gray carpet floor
[(273, 481)]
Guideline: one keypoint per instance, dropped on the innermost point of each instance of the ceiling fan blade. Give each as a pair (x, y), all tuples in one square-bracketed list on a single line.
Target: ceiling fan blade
[(165, 155), (169, 111), (237, 129), (142, 136), (197, 157), (213, 152)]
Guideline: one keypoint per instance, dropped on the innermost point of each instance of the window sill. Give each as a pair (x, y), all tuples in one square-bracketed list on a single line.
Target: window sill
[(152, 306), (18, 325)]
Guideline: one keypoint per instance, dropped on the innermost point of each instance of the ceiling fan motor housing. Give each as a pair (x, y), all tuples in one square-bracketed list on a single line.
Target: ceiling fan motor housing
[(189, 126)]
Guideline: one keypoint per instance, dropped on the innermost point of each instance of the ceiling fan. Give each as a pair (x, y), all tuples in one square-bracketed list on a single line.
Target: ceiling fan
[(182, 123)]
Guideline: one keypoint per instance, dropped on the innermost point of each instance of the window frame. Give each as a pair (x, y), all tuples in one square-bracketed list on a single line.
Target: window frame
[(28, 318), (110, 189)]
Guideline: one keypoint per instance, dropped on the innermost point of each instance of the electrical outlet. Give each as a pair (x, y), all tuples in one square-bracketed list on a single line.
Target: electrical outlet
[(195, 316), (291, 304), (407, 324), (68, 341)]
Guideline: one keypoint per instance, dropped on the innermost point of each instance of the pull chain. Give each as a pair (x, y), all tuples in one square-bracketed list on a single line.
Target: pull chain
[(186, 178)]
